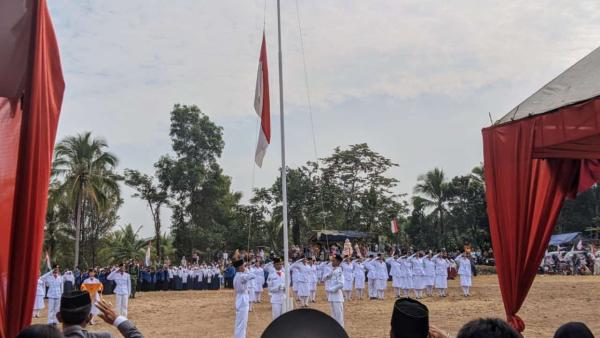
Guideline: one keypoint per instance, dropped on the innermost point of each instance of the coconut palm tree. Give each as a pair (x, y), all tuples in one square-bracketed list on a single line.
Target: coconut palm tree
[(124, 244), (433, 191), (86, 171)]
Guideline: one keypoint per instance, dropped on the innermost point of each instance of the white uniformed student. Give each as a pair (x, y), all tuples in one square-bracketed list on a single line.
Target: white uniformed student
[(276, 285), (334, 282), (429, 268), (55, 284), (303, 271), (241, 281), (395, 273), (359, 278), (381, 275), (313, 280), (40, 292), (259, 272), (418, 269), (94, 287), (122, 289), (441, 273), (464, 271), (406, 275), (348, 273), (371, 279)]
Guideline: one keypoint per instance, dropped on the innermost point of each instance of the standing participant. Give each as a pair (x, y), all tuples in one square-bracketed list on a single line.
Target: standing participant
[(395, 272), (597, 263), (303, 287), (55, 284), (69, 281), (276, 285), (418, 269), (94, 287), (371, 279), (465, 272), (441, 273), (406, 275), (241, 282), (381, 275), (429, 278), (134, 272), (259, 272), (348, 273), (40, 292), (313, 280), (334, 282), (359, 278), (123, 288)]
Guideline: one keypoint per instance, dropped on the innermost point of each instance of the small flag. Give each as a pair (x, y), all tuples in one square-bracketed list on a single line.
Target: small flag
[(394, 226), (147, 260), (48, 261), (580, 245), (262, 105)]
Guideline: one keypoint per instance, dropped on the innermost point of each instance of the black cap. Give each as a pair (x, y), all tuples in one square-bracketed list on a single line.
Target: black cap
[(75, 301), (410, 319), (293, 325), (238, 263), (276, 260)]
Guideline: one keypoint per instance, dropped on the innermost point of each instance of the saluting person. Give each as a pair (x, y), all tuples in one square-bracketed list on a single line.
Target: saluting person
[(122, 289), (55, 284)]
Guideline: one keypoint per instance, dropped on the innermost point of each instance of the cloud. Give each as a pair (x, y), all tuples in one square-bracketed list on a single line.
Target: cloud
[(414, 79)]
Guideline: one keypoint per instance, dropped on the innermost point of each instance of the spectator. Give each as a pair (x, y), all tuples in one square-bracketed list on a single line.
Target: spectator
[(573, 330), (75, 314), (40, 331), (410, 319), (487, 328)]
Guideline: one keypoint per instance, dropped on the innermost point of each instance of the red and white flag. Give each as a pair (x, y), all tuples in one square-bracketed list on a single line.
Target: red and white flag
[(394, 226), (48, 261), (262, 105), (147, 260)]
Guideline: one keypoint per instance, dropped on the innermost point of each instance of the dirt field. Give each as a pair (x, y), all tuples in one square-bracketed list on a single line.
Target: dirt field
[(552, 301)]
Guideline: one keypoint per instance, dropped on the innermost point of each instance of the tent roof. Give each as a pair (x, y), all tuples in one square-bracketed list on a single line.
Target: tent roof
[(563, 238), (576, 84), (338, 235)]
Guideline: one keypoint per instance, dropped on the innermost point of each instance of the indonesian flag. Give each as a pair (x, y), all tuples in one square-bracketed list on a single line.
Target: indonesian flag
[(147, 260), (262, 105), (394, 226), (48, 261)]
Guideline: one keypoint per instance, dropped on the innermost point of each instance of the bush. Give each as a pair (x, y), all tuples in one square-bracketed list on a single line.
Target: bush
[(486, 270)]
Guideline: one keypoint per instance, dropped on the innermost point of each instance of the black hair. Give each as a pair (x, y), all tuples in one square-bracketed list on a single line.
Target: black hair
[(40, 331), (75, 317), (487, 328)]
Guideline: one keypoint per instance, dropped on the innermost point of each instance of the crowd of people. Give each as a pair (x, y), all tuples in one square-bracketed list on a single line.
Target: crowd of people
[(572, 262)]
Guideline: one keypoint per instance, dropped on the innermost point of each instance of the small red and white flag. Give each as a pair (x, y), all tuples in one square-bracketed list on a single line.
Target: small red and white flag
[(48, 261), (147, 260), (262, 105), (394, 226)]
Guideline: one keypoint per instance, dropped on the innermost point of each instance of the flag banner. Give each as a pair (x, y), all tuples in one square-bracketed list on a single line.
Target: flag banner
[(262, 105), (147, 260), (394, 226), (580, 245)]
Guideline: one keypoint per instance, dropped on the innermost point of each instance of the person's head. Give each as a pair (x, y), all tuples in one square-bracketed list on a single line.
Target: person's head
[(40, 331), (75, 308), (336, 260), (239, 265), (292, 324), (92, 273), (410, 319), (573, 330), (122, 267), (487, 328), (277, 263), (56, 269)]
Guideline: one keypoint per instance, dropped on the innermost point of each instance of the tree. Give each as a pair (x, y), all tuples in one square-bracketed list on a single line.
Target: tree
[(432, 189), (155, 195), (124, 244), (88, 177)]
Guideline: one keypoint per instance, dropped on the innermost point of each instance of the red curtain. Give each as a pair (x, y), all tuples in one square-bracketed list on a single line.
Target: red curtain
[(27, 138), (529, 171)]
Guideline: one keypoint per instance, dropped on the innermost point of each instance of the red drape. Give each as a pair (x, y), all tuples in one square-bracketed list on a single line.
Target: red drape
[(530, 167), (27, 138)]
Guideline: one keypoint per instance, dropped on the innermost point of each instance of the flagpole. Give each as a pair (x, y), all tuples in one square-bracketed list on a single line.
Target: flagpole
[(288, 305)]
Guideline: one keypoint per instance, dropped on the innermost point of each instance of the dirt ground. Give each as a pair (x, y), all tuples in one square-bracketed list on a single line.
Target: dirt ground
[(552, 301)]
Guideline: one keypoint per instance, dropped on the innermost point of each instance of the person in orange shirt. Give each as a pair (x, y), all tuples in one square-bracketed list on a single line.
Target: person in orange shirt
[(94, 287)]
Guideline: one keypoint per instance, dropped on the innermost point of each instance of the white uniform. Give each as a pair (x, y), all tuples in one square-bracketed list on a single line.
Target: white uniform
[(302, 280), (242, 302), (276, 284), (259, 273), (312, 277), (382, 277), (334, 282), (441, 273), (464, 271), (359, 275), (348, 273), (371, 278), (597, 264), (429, 279), (122, 290), (395, 268), (55, 291), (40, 292), (406, 275)]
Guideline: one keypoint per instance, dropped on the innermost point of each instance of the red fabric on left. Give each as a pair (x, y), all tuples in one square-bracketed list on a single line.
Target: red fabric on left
[(30, 151)]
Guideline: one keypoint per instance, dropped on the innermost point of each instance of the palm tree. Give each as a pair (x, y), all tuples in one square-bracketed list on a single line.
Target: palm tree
[(88, 177), (433, 190), (124, 244)]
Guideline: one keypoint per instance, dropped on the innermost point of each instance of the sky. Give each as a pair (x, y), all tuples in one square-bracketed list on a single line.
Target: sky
[(415, 80)]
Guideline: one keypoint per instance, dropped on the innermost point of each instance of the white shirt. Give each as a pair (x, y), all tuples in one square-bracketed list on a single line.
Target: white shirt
[(464, 266), (55, 285), (429, 267), (122, 280), (441, 266), (381, 271), (302, 270), (40, 291), (359, 270), (240, 284), (418, 266), (276, 282), (334, 282), (348, 270), (395, 267)]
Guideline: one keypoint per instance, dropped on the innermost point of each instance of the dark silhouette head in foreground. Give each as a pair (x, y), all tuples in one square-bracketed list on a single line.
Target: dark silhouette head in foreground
[(487, 328), (410, 319), (75, 308), (302, 323), (573, 330), (40, 331)]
